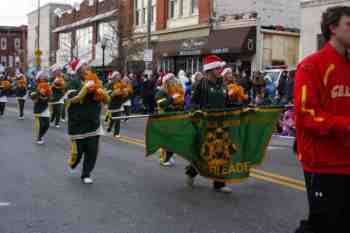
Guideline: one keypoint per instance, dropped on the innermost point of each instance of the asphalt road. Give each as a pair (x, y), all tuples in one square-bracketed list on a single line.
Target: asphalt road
[(133, 194)]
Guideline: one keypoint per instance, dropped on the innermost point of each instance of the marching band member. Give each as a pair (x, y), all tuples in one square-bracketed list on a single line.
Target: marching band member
[(170, 98), (118, 91), (210, 93), (5, 89), (236, 95), (85, 99), (21, 92), (57, 98), (41, 97), (127, 102)]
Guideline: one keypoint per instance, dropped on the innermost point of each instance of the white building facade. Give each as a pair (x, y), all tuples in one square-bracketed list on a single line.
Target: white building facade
[(47, 24), (311, 39), (271, 18)]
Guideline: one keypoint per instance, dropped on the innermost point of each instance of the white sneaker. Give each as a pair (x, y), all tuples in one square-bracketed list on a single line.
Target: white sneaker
[(57, 126), (20, 118), (117, 136), (63, 120), (190, 181), (167, 164), (87, 180), (224, 190), (40, 142)]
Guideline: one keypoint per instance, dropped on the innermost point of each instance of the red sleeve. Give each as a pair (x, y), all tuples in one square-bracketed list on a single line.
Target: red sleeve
[(310, 115)]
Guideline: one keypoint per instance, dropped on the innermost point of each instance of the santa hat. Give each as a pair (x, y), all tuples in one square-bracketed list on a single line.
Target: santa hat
[(114, 74), (76, 64), (225, 71), (213, 62)]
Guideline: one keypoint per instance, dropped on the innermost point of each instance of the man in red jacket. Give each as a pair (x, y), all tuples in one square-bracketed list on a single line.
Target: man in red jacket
[(322, 100)]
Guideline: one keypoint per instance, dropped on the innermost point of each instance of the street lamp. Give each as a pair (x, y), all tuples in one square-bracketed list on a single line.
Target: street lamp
[(103, 46)]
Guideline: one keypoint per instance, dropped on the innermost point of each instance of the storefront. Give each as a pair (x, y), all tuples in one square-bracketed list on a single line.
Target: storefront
[(236, 46)]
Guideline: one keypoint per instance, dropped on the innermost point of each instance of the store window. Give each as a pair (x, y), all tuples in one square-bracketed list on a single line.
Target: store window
[(17, 43), (3, 60), (84, 44), (10, 61)]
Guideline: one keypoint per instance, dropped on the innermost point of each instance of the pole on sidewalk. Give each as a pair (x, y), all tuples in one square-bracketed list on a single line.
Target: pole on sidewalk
[(149, 31)]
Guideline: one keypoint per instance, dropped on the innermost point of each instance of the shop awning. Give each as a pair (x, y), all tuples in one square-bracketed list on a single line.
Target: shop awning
[(233, 40), (185, 47)]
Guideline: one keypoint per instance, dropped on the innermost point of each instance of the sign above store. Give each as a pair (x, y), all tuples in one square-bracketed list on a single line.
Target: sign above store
[(190, 53), (193, 44)]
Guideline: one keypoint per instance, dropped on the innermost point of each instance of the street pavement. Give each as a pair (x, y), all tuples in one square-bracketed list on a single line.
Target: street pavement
[(133, 194)]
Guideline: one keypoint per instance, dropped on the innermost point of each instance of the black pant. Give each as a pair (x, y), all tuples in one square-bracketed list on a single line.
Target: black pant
[(56, 113), (87, 147), (329, 204), (42, 124), (63, 113), (192, 172), (115, 123), (127, 110), (2, 108), (21, 103)]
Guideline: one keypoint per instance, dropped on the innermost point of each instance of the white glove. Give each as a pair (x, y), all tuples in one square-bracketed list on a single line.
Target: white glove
[(90, 84), (175, 96)]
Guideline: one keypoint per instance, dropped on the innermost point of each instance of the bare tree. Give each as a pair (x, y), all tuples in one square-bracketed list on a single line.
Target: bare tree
[(128, 45)]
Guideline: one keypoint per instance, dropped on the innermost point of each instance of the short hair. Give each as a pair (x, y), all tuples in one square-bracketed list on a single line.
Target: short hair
[(331, 17)]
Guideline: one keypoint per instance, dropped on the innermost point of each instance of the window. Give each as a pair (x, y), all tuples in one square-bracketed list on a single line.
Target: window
[(91, 2), (3, 43), (3, 60), (138, 12), (65, 40), (10, 61), (194, 6), (17, 43), (144, 16), (108, 30), (153, 16), (172, 8), (84, 45)]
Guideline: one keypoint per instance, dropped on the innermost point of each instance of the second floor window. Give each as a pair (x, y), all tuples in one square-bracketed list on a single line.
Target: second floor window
[(194, 6), (172, 8), (3, 43)]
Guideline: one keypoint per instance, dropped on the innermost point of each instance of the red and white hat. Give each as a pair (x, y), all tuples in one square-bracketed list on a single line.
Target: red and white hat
[(212, 62), (76, 64)]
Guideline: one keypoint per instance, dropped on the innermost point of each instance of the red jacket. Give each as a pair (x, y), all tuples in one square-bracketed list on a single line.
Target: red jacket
[(322, 101)]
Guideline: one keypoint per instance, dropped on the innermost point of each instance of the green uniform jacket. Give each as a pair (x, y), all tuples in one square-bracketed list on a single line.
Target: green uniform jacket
[(165, 102), (83, 117)]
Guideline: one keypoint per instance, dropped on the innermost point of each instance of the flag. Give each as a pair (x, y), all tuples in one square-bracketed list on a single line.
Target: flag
[(221, 145)]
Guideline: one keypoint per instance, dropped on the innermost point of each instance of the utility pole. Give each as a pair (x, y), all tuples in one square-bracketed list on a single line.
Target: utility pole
[(149, 31), (38, 52)]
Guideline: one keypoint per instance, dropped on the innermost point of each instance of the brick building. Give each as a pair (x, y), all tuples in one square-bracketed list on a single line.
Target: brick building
[(83, 29), (183, 32), (13, 47)]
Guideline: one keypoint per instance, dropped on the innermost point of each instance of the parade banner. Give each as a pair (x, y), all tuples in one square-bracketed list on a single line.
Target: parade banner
[(221, 145)]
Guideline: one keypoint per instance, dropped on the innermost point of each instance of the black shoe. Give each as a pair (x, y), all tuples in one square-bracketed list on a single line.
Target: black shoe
[(304, 227)]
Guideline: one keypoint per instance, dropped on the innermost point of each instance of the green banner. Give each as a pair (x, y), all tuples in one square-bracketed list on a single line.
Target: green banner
[(221, 145)]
